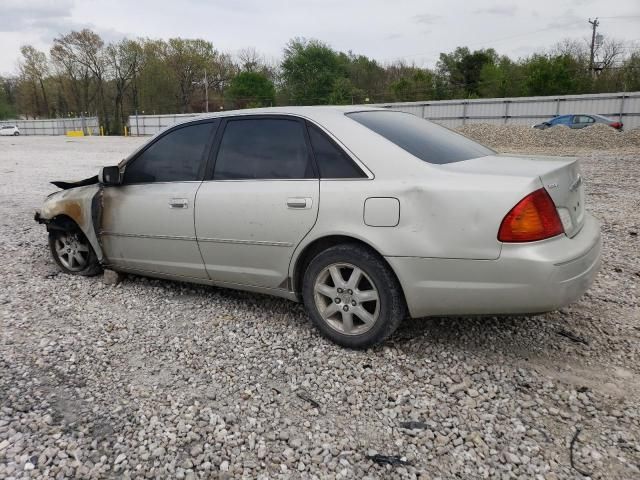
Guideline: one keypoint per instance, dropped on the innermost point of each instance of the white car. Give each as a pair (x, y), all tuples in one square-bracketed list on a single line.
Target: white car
[(365, 215), (9, 130)]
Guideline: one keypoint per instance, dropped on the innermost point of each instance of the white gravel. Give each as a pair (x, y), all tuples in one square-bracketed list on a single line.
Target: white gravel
[(157, 379)]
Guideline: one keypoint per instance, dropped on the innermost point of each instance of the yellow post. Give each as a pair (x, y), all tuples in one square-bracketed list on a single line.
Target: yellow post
[(125, 131), (101, 131)]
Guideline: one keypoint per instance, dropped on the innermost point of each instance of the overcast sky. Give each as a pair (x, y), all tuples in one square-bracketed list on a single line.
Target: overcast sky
[(414, 30)]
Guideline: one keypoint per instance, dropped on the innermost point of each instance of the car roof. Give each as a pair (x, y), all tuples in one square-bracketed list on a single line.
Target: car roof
[(585, 114), (318, 113)]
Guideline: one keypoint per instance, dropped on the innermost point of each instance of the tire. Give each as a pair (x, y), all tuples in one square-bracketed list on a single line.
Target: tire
[(73, 253), (15, 134), (352, 296)]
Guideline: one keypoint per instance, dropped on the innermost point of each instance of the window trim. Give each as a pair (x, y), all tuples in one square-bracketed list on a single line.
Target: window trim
[(173, 128), (366, 173), (213, 153)]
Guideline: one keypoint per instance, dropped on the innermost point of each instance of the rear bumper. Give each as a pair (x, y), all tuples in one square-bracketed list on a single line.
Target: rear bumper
[(527, 278)]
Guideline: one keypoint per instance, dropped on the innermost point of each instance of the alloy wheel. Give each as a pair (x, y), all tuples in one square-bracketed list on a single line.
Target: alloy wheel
[(73, 251), (346, 298)]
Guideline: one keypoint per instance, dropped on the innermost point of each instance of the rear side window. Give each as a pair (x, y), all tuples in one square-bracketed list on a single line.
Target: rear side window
[(423, 139), (263, 149), (175, 157), (583, 119), (331, 160)]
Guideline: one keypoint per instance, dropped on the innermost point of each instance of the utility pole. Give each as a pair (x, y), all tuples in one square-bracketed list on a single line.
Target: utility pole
[(206, 92), (594, 24)]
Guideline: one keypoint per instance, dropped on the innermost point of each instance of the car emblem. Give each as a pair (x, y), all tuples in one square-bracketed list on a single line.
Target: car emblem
[(574, 186)]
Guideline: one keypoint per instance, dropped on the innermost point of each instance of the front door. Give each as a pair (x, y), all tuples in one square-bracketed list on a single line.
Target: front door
[(259, 203), (147, 222)]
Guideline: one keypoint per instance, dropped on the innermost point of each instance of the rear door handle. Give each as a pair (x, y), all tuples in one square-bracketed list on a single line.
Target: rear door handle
[(299, 202), (178, 203)]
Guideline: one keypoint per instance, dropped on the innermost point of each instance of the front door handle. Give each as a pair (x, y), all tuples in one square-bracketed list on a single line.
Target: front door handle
[(178, 203), (299, 202)]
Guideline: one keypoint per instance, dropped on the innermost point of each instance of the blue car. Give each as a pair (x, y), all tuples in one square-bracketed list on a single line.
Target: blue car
[(580, 120)]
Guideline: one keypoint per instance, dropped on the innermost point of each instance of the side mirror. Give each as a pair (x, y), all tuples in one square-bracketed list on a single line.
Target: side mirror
[(109, 176)]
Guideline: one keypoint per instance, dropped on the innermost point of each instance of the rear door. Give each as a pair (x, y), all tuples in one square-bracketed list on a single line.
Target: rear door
[(259, 201), (581, 121)]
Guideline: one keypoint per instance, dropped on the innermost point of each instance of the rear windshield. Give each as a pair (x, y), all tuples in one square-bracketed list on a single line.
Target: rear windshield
[(421, 138)]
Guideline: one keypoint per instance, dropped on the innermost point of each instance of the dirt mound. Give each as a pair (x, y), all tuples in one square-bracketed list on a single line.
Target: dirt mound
[(522, 137)]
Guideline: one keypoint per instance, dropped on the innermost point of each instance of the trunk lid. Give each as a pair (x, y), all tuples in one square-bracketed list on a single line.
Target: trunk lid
[(560, 177)]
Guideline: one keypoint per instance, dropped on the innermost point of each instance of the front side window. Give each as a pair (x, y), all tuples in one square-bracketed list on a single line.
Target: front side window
[(175, 157), (564, 120), (429, 142), (331, 160), (263, 148)]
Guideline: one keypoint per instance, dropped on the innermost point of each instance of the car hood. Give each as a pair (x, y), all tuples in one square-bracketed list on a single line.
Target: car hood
[(66, 185)]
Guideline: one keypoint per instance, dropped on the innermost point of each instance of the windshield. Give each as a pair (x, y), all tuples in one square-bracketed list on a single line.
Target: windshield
[(421, 138)]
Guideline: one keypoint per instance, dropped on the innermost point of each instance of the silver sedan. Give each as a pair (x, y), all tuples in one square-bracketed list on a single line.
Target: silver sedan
[(366, 215)]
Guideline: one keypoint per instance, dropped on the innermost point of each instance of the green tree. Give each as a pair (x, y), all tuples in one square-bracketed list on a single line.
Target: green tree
[(6, 109), (187, 60), (419, 85), (309, 71), (631, 70), (82, 54), (463, 68), (501, 79), (553, 75), (156, 85), (365, 74), (125, 59), (34, 68), (251, 89)]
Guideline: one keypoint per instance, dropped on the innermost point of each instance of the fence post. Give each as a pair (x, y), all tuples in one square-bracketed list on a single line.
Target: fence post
[(137, 125), (557, 106), (506, 111), (464, 112), (423, 110), (621, 108)]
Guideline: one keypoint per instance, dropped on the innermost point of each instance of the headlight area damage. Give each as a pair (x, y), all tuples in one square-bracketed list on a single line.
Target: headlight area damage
[(77, 206)]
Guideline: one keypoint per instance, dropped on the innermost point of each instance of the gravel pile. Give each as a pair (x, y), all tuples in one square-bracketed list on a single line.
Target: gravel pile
[(157, 379), (561, 139)]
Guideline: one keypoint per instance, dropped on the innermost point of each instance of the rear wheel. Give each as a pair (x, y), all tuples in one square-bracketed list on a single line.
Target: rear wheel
[(15, 134), (352, 296), (73, 253)]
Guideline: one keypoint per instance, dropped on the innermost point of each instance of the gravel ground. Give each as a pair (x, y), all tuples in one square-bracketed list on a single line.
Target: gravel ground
[(157, 379), (556, 140)]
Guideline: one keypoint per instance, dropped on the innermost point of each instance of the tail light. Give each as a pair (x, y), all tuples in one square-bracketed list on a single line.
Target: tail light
[(534, 218), (616, 125)]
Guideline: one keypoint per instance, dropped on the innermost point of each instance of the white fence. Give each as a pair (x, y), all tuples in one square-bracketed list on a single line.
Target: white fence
[(56, 126), (152, 124), (623, 107)]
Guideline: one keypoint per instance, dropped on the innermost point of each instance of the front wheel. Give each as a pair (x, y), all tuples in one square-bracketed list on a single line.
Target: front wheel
[(73, 253), (352, 296), (15, 134)]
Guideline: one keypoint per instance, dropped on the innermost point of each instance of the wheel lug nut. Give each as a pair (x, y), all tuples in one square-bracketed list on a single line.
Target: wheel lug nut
[(337, 300), (345, 308), (353, 303), (340, 290), (350, 292)]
